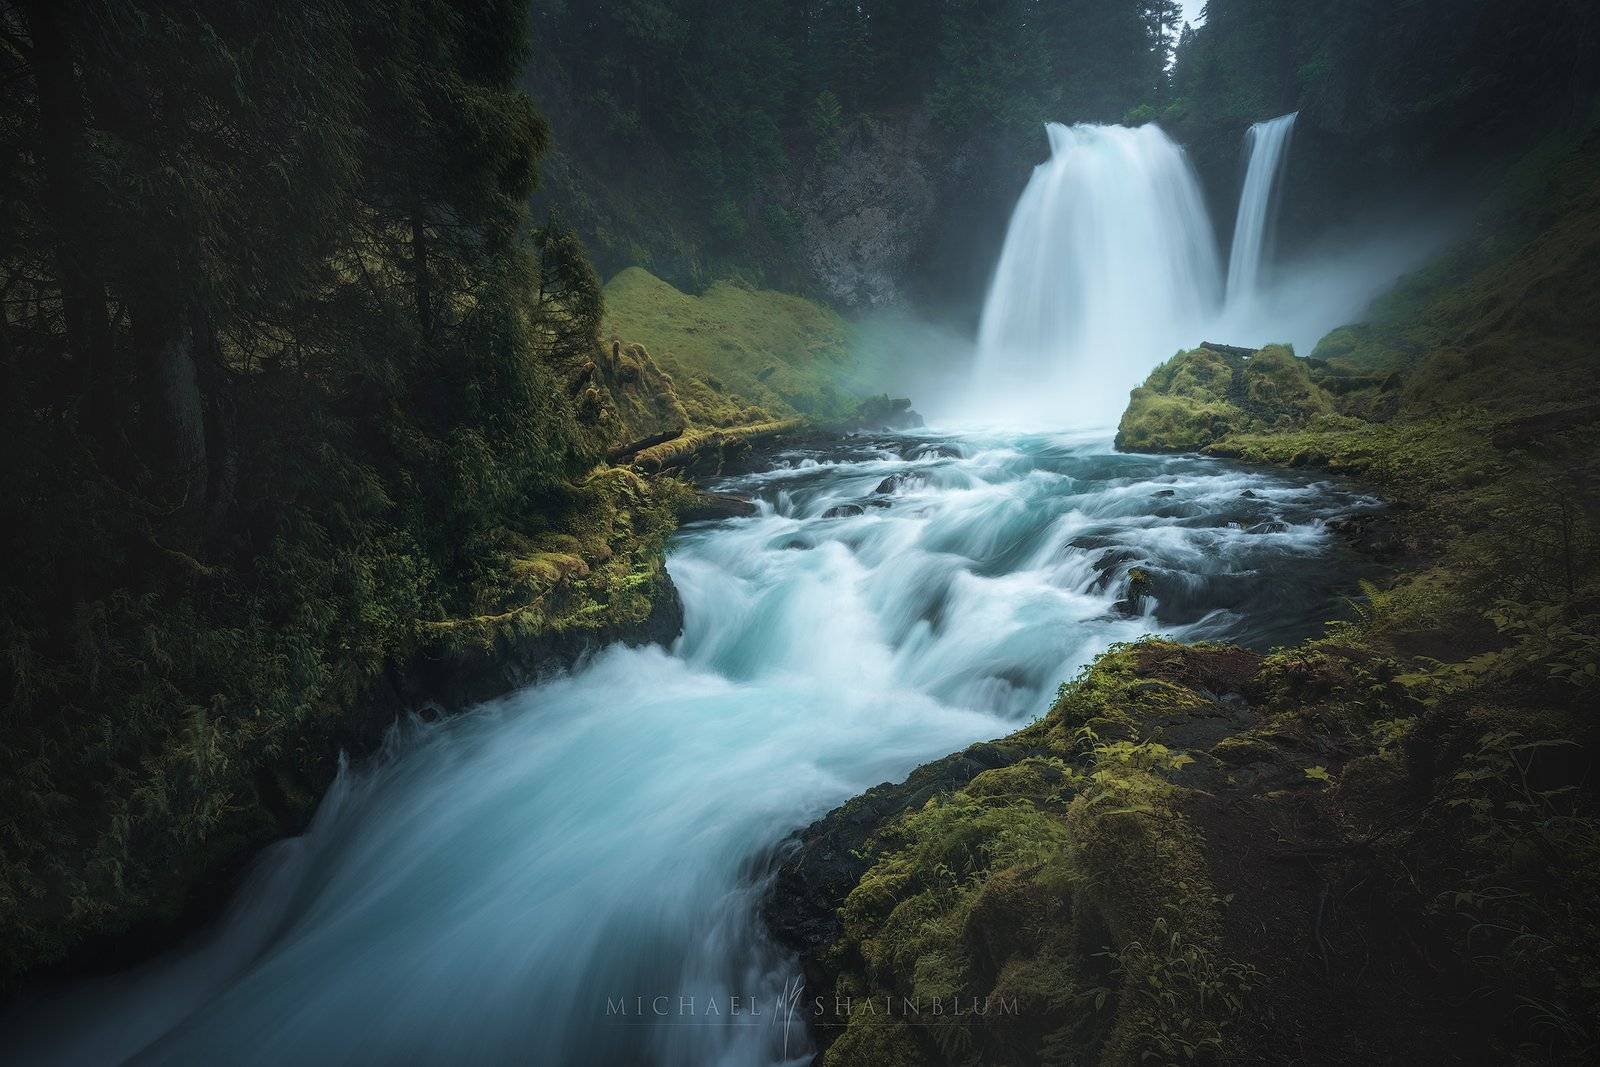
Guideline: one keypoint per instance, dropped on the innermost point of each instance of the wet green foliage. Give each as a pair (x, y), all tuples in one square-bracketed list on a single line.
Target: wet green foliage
[(285, 380)]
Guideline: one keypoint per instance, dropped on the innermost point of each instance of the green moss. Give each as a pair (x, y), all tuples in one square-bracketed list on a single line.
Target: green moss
[(1278, 389), (736, 354), (1202, 396), (691, 447), (600, 570), (1061, 885)]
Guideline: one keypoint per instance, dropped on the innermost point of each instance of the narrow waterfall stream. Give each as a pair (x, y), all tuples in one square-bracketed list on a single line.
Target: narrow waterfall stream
[(495, 885), (1267, 147)]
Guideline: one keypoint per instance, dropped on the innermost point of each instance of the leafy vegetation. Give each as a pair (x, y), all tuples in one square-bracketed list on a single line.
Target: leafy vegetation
[(286, 381)]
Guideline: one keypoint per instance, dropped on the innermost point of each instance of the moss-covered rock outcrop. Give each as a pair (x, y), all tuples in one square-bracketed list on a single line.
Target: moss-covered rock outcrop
[(1200, 396), (1051, 892)]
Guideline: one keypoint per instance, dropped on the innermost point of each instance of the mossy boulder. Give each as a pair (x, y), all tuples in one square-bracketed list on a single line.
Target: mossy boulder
[(1201, 396), (1278, 390)]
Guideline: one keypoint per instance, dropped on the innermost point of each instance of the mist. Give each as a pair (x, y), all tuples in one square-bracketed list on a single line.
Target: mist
[(1111, 266)]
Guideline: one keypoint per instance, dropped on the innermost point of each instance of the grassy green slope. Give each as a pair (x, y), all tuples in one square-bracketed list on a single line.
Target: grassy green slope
[(737, 355)]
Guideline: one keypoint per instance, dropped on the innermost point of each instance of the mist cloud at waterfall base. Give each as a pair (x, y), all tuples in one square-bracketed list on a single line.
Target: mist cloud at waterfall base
[(1326, 286), (1111, 266)]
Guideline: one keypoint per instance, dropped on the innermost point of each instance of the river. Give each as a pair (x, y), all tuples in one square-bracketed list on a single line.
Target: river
[(529, 882)]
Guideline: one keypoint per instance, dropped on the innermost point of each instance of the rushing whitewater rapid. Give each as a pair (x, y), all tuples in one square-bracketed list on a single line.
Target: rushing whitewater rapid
[(507, 885)]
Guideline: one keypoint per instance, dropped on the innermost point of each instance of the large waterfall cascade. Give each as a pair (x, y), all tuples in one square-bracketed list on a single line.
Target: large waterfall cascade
[(1267, 149), (1110, 252), (1110, 265)]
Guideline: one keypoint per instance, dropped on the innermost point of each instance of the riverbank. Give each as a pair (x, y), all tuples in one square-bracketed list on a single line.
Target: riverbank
[(891, 597), (1377, 844), (205, 717)]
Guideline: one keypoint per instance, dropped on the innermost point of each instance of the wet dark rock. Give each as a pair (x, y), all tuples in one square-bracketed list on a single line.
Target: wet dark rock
[(1138, 588), (1166, 492), (842, 511), (822, 863), (926, 451), (461, 677), (896, 482), (1107, 564), (1229, 350), (1375, 534), (883, 413), (712, 507), (1248, 494), (1271, 526)]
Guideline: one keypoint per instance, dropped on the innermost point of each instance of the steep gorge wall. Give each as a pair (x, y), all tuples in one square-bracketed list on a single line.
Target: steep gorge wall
[(893, 214)]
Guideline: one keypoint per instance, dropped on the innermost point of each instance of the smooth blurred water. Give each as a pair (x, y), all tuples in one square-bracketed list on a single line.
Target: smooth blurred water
[(1109, 266), (1267, 149), (482, 890)]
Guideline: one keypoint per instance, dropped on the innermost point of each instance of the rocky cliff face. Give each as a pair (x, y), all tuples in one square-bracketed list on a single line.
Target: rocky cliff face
[(863, 207), (893, 213)]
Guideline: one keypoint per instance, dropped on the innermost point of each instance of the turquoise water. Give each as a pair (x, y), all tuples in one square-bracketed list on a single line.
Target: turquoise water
[(494, 886)]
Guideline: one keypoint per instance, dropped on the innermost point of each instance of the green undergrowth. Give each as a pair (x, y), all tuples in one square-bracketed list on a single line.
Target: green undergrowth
[(110, 823), (598, 571)]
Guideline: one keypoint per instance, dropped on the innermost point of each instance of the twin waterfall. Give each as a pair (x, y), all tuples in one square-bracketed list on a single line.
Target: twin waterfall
[(1268, 143), (1110, 264)]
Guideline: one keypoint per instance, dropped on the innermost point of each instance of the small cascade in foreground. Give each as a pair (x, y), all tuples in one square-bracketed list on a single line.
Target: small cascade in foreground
[(1109, 264), (1268, 145)]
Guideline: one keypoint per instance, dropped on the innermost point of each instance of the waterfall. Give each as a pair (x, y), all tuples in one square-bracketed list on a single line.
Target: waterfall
[(1268, 145), (1109, 264)]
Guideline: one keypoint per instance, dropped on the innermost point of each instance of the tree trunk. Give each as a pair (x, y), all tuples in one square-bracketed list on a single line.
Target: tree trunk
[(419, 266), (171, 424), (62, 157)]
